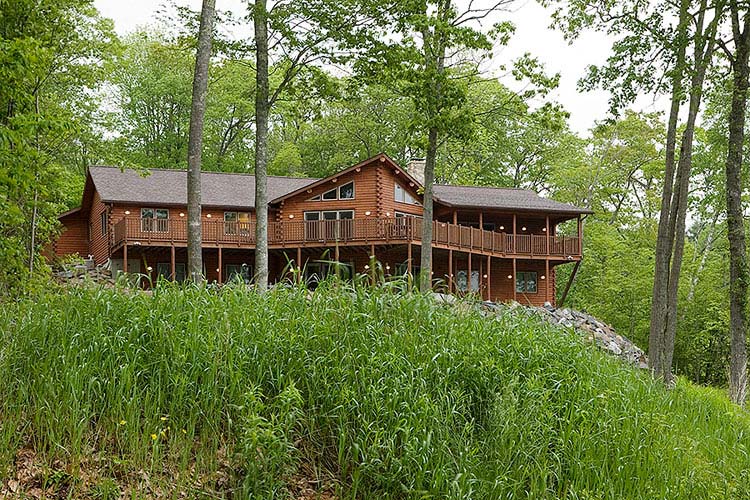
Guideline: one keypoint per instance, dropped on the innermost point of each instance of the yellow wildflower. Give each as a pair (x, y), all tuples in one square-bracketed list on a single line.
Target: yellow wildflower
[(154, 436), (122, 422)]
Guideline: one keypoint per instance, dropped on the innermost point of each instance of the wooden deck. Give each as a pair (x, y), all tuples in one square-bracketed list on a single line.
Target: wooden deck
[(370, 231)]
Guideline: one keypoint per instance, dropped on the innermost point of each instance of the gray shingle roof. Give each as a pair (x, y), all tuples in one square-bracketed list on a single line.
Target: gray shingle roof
[(501, 199), (169, 187)]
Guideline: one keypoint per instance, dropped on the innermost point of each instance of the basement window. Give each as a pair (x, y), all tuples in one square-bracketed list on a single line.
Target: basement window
[(526, 282)]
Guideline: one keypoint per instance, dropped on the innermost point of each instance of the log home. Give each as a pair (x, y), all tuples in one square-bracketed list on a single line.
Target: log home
[(499, 243)]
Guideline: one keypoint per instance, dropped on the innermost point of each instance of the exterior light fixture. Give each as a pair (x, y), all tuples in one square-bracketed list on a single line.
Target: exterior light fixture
[(502, 228), (367, 267), (387, 267), (510, 276), (368, 212), (523, 228), (127, 212), (149, 269), (334, 180), (291, 216), (208, 215), (544, 229), (387, 214), (542, 277), (485, 276), (182, 214)]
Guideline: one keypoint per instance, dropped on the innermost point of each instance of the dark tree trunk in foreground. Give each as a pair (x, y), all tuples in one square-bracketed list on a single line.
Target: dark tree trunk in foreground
[(195, 142), (260, 21), (738, 272)]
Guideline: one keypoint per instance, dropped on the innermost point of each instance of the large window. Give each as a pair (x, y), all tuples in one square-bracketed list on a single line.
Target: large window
[(402, 195), (237, 223), (343, 192), (526, 282), (329, 225), (164, 270), (238, 272), (155, 219), (462, 281)]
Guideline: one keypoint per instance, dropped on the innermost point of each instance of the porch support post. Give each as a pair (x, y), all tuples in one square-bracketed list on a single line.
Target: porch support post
[(489, 277), (546, 280), (514, 272), (455, 217), (125, 258), (481, 220), (299, 264), (172, 265), (514, 243), (408, 258), (450, 271), (570, 282), (219, 271)]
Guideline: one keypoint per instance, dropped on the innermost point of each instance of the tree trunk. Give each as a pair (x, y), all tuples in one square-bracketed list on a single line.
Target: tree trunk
[(665, 234), (195, 142), (425, 280), (260, 21), (738, 271)]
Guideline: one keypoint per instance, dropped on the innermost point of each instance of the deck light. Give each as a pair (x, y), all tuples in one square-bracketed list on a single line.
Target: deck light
[(367, 267), (127, 212), (523, 228), (387, 267), (544, 229), (182, 214), (209, 216), (387, 214), (291, 216), (542, 277), (510, 276), (502, 228), (368, 212), (485, 276), (149, 268)]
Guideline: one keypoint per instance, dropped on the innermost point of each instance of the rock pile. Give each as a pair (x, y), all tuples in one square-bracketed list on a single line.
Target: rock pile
[(84, 274), (590, 328), (602, 334)]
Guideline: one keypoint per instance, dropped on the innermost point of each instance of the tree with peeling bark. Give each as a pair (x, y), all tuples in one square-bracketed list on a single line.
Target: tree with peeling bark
[(195, 142), (738, 268)]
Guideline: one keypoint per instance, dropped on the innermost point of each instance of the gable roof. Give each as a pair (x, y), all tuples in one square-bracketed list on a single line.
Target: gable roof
[(169, 187), (380, 157), (524, 200), (235, 190)]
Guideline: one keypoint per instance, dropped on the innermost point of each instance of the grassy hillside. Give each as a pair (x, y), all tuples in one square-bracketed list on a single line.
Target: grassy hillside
[(348, 391)]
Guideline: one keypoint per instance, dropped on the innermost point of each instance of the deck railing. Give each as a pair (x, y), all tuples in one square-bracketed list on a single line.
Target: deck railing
[(137, 231)]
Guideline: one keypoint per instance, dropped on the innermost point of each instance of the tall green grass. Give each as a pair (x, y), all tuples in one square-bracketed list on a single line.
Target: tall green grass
[(389, 394)]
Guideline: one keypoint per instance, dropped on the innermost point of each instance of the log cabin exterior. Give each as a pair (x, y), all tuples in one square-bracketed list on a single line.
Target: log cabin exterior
[(499, 243)]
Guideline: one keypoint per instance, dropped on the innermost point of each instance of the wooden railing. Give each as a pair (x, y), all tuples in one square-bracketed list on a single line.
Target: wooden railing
[(137, 231)]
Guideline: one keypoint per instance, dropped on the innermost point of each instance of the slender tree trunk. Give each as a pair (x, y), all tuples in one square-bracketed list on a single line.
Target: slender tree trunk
[(665, 234), (262, 105), (195, 142), (434, 47), (425, 279), (738, 270)]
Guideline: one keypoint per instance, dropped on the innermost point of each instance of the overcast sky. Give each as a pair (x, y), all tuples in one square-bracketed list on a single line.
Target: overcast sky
[(532, 35)]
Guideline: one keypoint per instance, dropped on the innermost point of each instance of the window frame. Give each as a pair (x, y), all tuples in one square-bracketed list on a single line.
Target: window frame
[(407, 198), (336, 193), (524, 281), (104, 222), (151, 224)]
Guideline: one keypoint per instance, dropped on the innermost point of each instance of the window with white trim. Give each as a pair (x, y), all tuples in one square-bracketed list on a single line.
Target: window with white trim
[(403, 196), (343, 192)]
